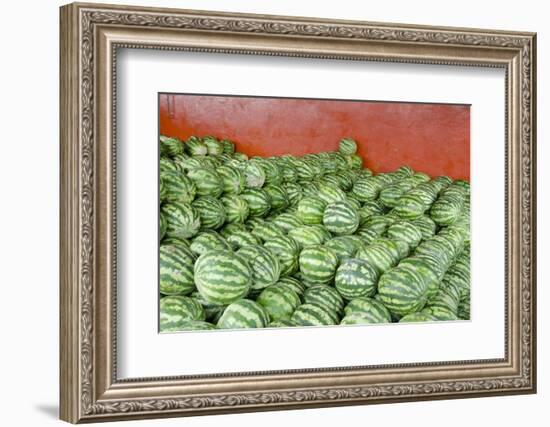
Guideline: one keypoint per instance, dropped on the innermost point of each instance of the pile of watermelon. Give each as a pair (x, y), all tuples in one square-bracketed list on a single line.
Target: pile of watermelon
[(306, 241)]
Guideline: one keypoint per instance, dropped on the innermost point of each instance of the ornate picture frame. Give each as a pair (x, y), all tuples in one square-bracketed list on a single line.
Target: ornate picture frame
[(90, 37)]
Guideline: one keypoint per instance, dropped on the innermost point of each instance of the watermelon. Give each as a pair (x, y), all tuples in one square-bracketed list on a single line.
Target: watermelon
[(259, 202), (195, 147), (170, 146), (233, 181), (163, 191), (207, 181), (330, 193), (292, 284), (325, 296), (406, 232), (312, 315), (254, 175), (417, 317), (287, 221), (278, 196), (182, 220), (222, 277), (293, 192), (227, 146), (369, 309), (176, 270), (356, 278), (341, 218), (240, 238), (208, 241), (378, 256), (347, 146), (212, 311), (343, 247), (286, 249), (365, 189), (355, 161), (428, 271), (279, 301), (267, 231), (243, 313), (211, 212), (283, 323), (426, 225), (163, 225), (213, 146), (235, 207), (310, 210), (176, 310), (263, 263), (177, 187), (167, 165), (307, 235), (318, 264), (402, 290), (191, 325)]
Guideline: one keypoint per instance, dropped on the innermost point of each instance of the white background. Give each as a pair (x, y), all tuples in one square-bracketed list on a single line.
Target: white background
[(141, 347), (29, 228)]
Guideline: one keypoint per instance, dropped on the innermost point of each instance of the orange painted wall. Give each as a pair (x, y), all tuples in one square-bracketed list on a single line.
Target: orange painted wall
[(432, 138)]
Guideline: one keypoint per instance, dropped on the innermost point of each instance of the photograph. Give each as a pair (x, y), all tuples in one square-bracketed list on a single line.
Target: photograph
[(298, 212)]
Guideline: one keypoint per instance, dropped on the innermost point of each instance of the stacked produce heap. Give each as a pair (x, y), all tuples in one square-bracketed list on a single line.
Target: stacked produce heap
[(306, 241)]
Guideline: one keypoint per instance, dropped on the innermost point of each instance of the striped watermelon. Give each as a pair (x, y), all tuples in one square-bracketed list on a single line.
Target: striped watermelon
[(167, 165), (330, 193), (343, 247), (278, 196), (236, 208), (267, 231), (243, 313), (163, 225), (426, 225), (310, 210), (222, 277), (463, 311), (170, 146), (240, 238), (233, 181), (177, 187), (254, 175), (176, 270), (195, 147), (307, 235), (318, 264), (365, 189), (293, 192), (263, 263), (279, 301), (292, 284), (213, 146), (312, 315), (259, 202), (369, 309), (191, 325), (163, 191), (287, 221), (325, 296), (428, 272), (402, 291), (283, 323), (417, 317), (286, 249), (355, 161), (241, 157), (211, 212), (228, 146), (405, 232), (176, 310), (347, 146), (182, 220), (207, 181), (355, 278), (212, 311), (341, 218), (377, 256), (207, 241)]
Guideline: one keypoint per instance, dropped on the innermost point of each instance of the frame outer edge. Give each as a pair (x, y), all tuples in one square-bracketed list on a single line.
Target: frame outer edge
[(69, 355)]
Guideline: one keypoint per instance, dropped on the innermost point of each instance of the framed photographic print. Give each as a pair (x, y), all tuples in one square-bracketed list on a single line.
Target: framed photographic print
[(266, 212)]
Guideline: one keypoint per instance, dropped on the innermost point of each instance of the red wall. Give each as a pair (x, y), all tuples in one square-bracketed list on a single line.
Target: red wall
[(431, 138)]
